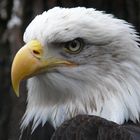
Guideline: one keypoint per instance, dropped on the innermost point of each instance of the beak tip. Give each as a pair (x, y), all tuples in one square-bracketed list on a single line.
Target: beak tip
[(17, 94), (16, 90)]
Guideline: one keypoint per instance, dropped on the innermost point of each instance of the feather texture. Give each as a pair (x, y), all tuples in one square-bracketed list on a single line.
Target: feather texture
[(105, 82), (85, 127)]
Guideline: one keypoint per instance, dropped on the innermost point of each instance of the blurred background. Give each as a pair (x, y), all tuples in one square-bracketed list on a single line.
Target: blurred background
[(15, 15)]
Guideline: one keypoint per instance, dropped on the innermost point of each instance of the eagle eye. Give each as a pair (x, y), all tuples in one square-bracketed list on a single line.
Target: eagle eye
[(73, 47)]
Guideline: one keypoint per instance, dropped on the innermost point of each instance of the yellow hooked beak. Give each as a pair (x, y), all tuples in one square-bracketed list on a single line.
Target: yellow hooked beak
[(29, 61)]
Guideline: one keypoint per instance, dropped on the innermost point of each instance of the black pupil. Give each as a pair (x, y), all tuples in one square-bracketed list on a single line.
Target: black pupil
[(73, 44)]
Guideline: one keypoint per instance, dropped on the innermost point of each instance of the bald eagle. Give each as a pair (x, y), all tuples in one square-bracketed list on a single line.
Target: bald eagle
[(79, 61)]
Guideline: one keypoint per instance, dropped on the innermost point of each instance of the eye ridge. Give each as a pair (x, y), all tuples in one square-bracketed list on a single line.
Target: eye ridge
[(75, 46)]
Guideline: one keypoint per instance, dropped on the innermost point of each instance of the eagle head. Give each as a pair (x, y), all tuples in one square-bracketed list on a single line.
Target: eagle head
[(79, 61)]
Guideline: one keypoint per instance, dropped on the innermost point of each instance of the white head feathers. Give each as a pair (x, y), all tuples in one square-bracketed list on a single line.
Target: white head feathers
[(107, 83)]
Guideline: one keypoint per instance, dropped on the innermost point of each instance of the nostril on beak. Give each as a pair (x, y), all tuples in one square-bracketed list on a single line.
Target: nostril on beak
[(36, 52)]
